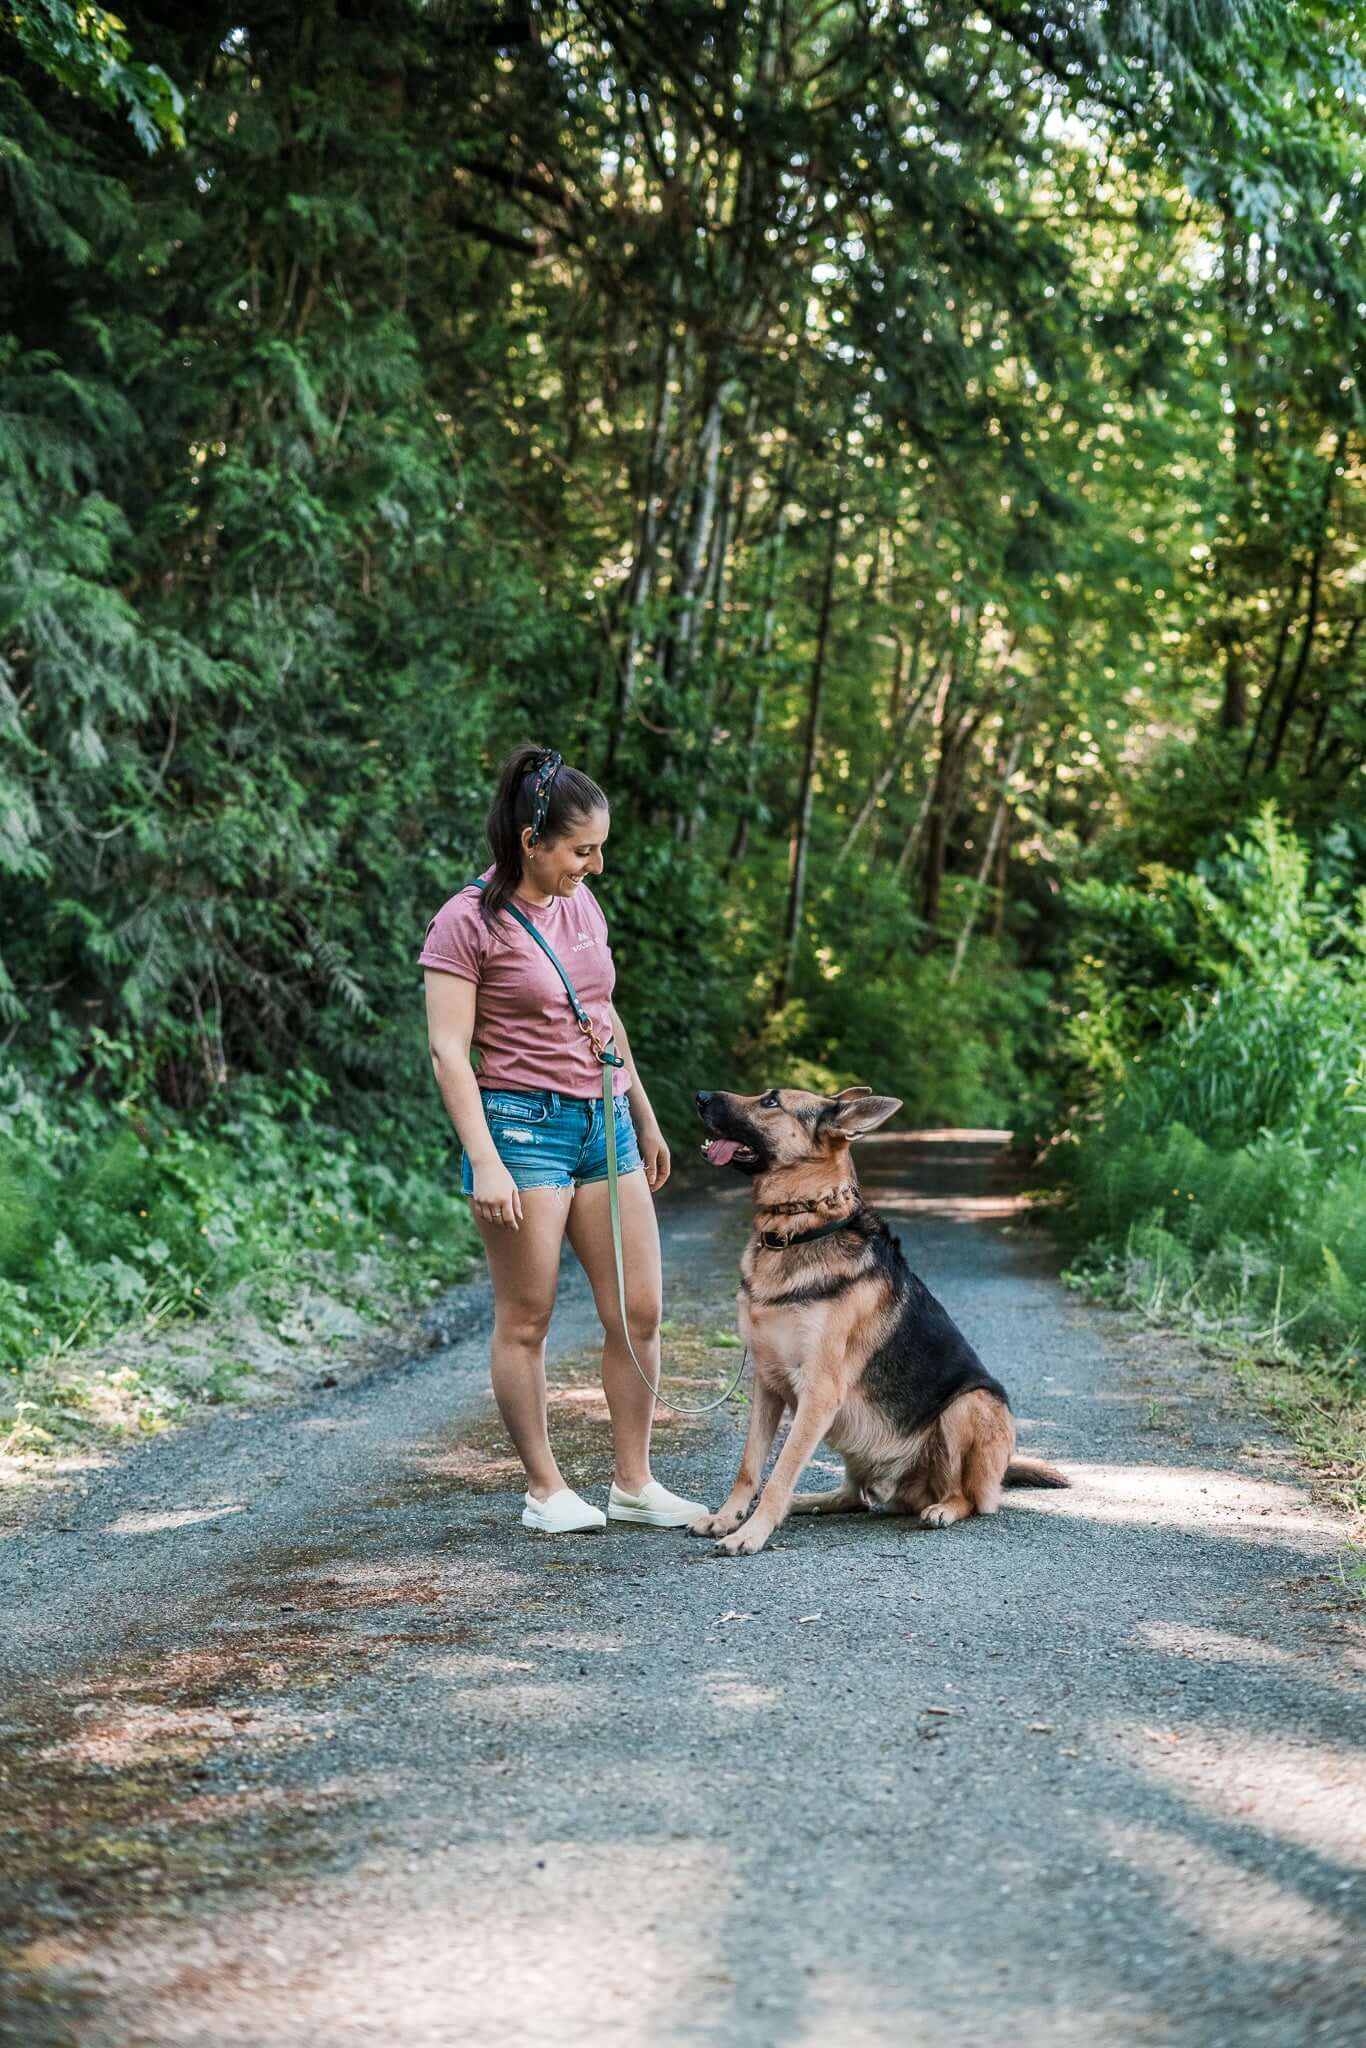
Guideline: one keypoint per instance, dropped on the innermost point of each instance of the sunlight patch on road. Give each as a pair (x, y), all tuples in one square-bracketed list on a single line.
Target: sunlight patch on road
[(150, 1524), (134, 1732), (209, 1808), (473, 1664), (1310, 1793), (958, 1208), (532, 1702), (423, 1579), (1212, 1645), (538, 1939), (1241, 1910), (957, 1135), (733, 1692), (1192, 1497), (587, 1642)]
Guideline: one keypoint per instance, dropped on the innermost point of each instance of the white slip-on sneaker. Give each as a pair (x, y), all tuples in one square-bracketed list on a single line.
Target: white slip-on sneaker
[(654, 1505), (560, 1514)]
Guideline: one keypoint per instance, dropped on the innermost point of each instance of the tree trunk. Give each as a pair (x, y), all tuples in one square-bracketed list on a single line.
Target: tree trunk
[(1274, 680), (1292, 692), (1327, 698), (747, 463), (1233, 711), (642, 569), (1236, 290), (894, 757), (696, 548), (801, 826), (998, 819), (998, 912), (740, 841), (943, 805), (911, 844), (763, 647)]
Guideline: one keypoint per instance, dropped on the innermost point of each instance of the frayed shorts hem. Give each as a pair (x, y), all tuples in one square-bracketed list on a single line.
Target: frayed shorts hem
[(548, 1140), (531, 1187)]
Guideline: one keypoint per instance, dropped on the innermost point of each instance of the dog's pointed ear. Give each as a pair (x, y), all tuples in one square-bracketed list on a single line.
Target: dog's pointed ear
[(859, 1114), (848, 1094)]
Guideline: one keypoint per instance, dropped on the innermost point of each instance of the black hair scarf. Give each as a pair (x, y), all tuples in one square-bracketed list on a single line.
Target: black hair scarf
[(540, 802)]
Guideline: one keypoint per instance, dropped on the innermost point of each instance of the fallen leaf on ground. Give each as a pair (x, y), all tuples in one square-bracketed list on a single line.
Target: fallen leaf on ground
[(936, 1710), (732, 1614), (1041, 1727), (808, 1617)]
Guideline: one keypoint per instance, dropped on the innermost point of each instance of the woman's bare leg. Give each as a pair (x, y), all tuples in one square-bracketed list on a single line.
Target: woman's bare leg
[(524, 1267), (629, 1400)]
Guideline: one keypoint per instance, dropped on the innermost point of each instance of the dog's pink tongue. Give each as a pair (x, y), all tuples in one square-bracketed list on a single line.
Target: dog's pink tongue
[(720, 1151)]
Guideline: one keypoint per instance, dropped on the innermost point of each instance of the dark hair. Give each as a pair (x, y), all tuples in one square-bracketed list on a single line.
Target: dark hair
[(568, 796)]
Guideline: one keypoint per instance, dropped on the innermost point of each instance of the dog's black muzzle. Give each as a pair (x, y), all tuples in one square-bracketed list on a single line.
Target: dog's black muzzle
[(720, 1120), (712, 1107)]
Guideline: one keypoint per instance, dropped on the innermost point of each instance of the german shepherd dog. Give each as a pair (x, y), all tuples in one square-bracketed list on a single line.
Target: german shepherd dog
[(842, 1332)]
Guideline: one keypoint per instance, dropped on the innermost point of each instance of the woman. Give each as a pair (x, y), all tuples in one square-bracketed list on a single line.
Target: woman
[(531, 1123)]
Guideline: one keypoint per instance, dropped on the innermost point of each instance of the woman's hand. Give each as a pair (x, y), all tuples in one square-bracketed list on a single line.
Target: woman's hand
[(496, 1197), (655, 1154)]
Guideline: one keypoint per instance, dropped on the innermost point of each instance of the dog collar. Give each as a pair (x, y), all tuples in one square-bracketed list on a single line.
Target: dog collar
[(780, 1240), (831, 1195)]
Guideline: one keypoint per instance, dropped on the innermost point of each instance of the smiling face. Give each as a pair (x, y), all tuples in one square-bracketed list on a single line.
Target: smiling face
[(558, 866), (786, 1126)]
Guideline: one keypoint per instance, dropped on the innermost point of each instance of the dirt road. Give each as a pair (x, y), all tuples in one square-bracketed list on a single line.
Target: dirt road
[(307, 1744)]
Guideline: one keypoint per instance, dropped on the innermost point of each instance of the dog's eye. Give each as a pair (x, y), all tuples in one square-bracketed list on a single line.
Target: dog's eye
[(769, 1101)]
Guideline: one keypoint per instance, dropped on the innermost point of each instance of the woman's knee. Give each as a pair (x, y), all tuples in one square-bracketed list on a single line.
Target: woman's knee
[(643, 1313), (525, 1324)]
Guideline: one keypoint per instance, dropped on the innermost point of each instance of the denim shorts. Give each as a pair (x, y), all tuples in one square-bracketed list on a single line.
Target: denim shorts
[(548, 1140)]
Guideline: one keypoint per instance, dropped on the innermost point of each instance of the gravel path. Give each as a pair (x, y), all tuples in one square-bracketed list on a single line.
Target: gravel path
[(308, 1745)]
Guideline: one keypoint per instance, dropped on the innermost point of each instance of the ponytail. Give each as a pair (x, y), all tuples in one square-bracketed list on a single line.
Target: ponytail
[(537, 789)]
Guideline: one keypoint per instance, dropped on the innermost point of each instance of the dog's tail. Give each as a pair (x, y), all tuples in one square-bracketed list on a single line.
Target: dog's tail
[(1033, 1472)]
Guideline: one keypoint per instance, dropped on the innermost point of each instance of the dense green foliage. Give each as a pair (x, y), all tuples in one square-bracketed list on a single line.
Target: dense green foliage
[(1222, 1022), (108, 1220), (912, 459)]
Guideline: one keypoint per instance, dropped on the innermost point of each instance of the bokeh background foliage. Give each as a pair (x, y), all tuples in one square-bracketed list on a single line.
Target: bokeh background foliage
[(913, 458)]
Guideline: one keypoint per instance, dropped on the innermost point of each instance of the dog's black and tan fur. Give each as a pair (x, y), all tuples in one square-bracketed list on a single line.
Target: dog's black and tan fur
[(842, 1332)]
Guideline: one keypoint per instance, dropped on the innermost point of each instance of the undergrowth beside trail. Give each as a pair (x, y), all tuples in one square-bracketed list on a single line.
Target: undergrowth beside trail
[(151, 1263), (1215, 1173), (1319, 1401)]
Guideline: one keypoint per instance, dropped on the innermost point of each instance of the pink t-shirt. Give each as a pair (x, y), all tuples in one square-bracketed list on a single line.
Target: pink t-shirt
[(524, 1029)]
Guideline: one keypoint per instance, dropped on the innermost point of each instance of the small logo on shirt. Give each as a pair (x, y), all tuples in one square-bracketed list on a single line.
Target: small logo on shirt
[(583, 939)]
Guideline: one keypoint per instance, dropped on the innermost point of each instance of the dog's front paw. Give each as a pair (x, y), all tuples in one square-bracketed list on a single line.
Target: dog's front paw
[(746, 1542), (942, 1514), (720, 1524)]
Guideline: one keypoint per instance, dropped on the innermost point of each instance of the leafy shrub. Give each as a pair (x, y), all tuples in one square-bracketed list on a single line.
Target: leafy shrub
[(112, 1215), (1221, 1151)]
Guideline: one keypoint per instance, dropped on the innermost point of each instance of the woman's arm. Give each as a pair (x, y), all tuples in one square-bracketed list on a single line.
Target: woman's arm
[(450, 1030), (653, 1149)]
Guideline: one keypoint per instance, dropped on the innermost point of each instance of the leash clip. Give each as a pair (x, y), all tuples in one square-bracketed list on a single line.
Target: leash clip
[(602, 1053)]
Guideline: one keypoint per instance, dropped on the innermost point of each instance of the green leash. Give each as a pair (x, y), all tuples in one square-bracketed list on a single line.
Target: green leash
[(608, 1060)]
